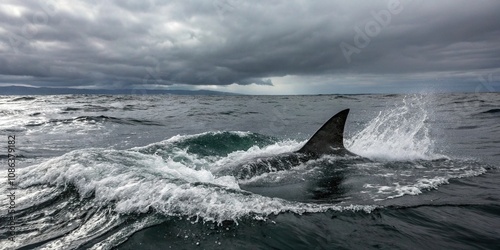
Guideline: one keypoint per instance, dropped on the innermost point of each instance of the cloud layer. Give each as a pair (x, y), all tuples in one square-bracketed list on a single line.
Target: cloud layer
[(125, 43)]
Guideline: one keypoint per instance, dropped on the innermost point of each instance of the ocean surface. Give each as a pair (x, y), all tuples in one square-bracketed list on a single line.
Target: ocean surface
[(161, 172)]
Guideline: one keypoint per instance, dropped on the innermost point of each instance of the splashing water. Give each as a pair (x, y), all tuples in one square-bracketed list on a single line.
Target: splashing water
[(400, 133)]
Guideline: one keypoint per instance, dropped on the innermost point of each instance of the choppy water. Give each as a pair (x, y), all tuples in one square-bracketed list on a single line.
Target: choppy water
[(159, 172)]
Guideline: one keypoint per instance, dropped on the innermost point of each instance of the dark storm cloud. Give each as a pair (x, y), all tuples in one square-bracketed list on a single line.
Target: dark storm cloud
[(220, 42)]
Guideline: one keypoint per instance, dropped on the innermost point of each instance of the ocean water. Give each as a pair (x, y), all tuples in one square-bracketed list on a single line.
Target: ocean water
[(161, 172)]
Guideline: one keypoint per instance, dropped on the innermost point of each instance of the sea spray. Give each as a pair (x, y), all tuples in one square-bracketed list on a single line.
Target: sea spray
[(399, 133)]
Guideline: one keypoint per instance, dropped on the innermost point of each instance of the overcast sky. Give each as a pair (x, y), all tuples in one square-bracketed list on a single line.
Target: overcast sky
[(256, 47)]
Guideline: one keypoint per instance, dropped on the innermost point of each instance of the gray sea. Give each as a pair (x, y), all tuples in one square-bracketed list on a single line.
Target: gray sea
[(154, 172)]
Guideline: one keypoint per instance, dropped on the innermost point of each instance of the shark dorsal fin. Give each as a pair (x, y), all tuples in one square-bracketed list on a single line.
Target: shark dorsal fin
[(329, 139)]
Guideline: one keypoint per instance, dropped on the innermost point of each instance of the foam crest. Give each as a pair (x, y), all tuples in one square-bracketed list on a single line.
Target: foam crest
[(176, 149), (403, 184), (132, 182), (179, 138), (400, 133), (244, 156)]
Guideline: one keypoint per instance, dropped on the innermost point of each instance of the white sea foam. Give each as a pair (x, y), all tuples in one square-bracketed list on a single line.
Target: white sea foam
[(417, 186), (178, 138), (400, 133), (244, 156), (135, 183)]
